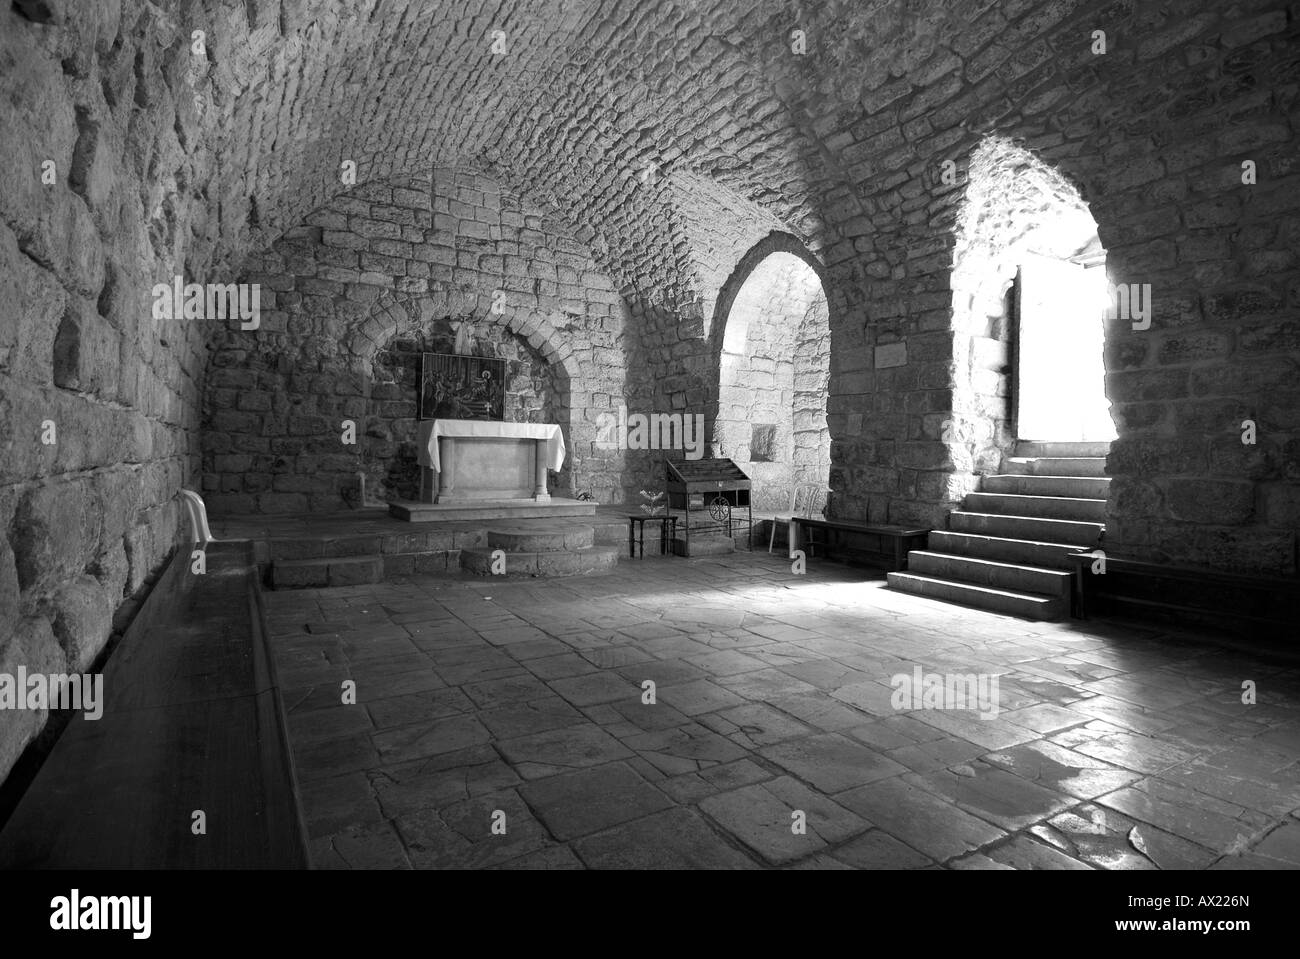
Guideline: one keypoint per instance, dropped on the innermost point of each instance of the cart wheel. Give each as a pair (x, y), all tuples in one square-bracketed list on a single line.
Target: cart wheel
[(720, 509)]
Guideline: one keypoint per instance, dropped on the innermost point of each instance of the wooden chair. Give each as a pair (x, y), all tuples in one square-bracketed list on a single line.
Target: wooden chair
[(198, 517), (808, 501)]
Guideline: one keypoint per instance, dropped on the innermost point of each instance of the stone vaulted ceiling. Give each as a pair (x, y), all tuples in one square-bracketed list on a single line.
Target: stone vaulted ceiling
[(586, 105)]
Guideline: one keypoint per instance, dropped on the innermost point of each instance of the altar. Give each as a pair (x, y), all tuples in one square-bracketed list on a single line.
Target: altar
[(467, 461)]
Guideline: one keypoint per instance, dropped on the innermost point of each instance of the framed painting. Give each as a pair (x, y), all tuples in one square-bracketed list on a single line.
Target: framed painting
[(454, 387)]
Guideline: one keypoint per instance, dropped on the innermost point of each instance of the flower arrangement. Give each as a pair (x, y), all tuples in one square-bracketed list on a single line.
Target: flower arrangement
[(652, 504)]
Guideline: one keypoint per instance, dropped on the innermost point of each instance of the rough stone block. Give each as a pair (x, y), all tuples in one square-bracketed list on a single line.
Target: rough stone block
[(1211, 501)]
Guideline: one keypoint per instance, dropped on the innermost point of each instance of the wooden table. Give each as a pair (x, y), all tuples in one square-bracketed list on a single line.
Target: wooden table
[(636, 525), (881, 545)]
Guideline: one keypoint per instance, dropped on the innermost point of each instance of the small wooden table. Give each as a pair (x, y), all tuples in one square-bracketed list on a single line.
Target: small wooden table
[(885, 546), (636, 532)]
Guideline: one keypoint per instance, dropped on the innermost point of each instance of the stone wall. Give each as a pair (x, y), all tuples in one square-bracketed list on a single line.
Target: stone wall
[(1153, 133), (98, 401), (846, 146), (407, 257), (649, 166), (812, 371)]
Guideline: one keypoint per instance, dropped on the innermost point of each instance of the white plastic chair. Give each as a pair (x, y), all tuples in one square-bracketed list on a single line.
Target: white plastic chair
[(808, 501), (198, 516)]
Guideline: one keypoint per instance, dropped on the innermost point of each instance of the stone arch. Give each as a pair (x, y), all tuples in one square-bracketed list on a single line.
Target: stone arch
[(770, 382), (542, 336), (394, 314), (1014, 205), (775, 242), (363, 339), (389, 316)]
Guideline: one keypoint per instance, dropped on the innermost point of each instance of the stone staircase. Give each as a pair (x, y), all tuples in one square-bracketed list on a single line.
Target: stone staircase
[(1006, 549), (529, 548)]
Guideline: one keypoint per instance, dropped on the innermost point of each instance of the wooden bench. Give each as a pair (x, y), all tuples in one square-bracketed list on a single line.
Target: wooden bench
[(1255, 606), (192, 720), (849, 541)]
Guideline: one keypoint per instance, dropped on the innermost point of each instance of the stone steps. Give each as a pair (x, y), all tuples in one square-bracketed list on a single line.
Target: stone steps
[(570, 551), (323, 562), (1027, 605), (420, 541), (987, 572), (1070, 532), (1022, 552), (1047, 507), (1028, 484), (327, 571), (490, 510), (585, 561), (1007, 549), (540, 541), (1054, 450), (1094, 466)]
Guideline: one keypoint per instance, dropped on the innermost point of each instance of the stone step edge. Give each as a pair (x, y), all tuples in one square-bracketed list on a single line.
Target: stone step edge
[(1064, 499), (986, 568), (984, 561), (1043, 476), (580, 551), (1053, 459), (1036, 519), (1038, 599), (1012, 539)]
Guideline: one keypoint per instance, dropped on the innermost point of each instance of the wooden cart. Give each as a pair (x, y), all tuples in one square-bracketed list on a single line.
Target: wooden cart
[(711, 492)]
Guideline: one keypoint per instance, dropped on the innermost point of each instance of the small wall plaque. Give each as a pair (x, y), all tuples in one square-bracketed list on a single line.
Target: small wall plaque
[(891, 354)]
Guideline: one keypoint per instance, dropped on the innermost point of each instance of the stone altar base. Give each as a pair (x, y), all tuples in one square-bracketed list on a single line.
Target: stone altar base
[(557, 506), (311, 551)]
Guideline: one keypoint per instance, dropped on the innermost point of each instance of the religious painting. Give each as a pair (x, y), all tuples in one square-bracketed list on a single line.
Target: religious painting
[(454, 387)]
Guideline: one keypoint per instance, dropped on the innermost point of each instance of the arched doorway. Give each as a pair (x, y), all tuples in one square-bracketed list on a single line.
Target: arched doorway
[(1030, 272), (773, 365), (1030, 426)]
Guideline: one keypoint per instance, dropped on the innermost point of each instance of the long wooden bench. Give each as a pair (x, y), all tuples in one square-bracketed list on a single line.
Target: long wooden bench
[(854, 542), (192, 722), (1255, 606)]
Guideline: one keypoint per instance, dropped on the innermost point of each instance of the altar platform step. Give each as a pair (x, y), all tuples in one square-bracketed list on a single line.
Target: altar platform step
[(507, 509), (566, 550), (323, 550), (535, 540), (587, 561), (359, 570)]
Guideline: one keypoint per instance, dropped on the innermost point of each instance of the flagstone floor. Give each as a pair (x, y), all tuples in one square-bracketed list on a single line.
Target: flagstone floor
[(504, 724)]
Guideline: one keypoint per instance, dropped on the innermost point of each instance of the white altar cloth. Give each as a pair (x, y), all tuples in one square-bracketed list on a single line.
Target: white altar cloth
[(430, 430)]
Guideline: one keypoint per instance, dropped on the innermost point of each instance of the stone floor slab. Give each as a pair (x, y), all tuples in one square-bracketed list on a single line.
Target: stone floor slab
[(782, 820), (878, 850), (697, 697), (920, 819), (559, 750), (831, 762), (994, 794), (589, 800)]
